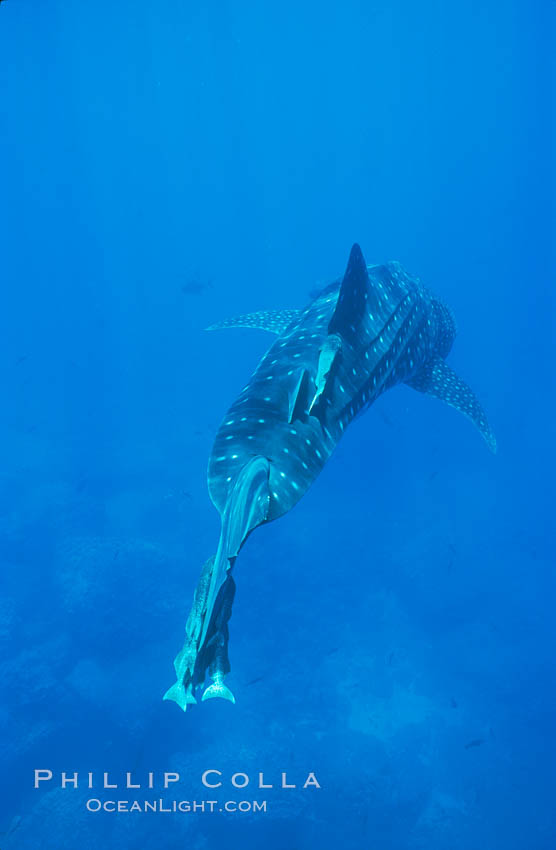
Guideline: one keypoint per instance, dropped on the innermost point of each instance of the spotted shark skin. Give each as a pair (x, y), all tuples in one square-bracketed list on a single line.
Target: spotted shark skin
[(372, 329)]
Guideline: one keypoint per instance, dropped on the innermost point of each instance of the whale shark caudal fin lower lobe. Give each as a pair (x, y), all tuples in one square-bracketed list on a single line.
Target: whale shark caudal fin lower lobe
[(439, 380), (274, 321)]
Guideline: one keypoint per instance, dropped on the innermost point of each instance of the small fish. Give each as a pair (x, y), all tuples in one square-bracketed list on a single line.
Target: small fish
[(475, 742), (81, 485), (254, 681), (23, 357), (386, 419), (195, 286), (332, 651), (453, 703)]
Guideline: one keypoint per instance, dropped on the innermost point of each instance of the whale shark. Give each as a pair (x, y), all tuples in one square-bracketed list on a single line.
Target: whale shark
[(375, 327)]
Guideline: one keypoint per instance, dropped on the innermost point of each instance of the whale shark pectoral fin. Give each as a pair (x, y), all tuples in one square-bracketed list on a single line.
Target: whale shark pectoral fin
[(352, 299), (439, 380), (274, 321)]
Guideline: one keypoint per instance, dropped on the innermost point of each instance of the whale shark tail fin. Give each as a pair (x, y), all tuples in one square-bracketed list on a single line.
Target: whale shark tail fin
[(218, 689), (206, 642), (439, 380), (178, 694), (246, 507)]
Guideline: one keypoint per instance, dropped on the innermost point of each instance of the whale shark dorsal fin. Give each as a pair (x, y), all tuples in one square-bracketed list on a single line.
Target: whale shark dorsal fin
[(350, 307), (274, 321), (439, 380)]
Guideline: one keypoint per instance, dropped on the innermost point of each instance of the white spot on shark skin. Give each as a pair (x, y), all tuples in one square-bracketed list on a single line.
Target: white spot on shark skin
[(230, 437), (294, 485), (318, 454), (235, 457), (243, 419), (293, 431), (275, 494), (220, 459), (283, 474), (230, 422), (269, 377), (250, 437), (308, 441), (304, 465), (287, 451), (261, 421), (229, 478)]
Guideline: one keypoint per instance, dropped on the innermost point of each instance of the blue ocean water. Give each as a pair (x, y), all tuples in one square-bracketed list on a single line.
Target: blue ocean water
[(168, 165)]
